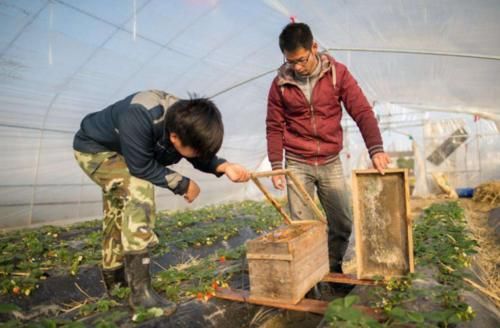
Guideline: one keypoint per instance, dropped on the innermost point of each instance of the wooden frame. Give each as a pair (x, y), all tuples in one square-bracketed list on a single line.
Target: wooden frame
[(382, 223), (305, 196)]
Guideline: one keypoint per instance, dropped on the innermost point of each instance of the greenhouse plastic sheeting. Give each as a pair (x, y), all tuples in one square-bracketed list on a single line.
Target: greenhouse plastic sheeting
[(62, 59)]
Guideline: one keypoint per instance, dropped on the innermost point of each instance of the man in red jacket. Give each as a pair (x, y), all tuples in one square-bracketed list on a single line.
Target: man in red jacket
[(303, 118)]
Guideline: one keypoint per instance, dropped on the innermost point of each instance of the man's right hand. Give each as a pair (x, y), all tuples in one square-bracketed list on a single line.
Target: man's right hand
[(192, 192), (279, 181)]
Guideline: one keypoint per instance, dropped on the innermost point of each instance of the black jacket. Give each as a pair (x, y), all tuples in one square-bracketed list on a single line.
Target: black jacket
[(135, 128)]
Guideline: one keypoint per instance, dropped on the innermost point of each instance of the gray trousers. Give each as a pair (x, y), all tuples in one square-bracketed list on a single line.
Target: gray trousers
[(329, 182)]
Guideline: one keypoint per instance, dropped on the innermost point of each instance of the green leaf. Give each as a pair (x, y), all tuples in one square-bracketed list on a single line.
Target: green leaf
[(454, 319), (415, 317), (146, 314), (47, 323), (398, 314), (338, 302), (75, 324), (8, 308), (12, 324), (155, 312), (350, 314), (335, 308), (436, 316), (350, 300)]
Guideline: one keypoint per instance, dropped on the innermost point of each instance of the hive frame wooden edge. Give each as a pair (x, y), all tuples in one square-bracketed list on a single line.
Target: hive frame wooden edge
[(299, 188), (408, 218)]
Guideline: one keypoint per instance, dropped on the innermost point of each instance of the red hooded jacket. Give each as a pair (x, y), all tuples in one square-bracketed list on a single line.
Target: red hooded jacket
[(310, 132)]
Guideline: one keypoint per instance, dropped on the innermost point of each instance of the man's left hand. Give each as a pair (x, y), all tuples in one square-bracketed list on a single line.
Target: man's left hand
[(234, 172), (380, 161)]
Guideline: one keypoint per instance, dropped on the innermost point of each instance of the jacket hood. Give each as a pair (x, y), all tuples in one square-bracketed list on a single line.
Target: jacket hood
[(286, 73)]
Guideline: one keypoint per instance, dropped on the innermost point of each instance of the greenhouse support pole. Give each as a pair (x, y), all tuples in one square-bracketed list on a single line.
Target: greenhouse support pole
[(478, 151)]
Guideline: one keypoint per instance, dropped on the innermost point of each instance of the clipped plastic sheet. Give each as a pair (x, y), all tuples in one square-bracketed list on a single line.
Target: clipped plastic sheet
[(60, 60), (449, 145)]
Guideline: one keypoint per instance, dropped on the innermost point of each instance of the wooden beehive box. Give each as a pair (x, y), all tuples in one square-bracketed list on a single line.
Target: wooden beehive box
[(286, 263), (382, 224)]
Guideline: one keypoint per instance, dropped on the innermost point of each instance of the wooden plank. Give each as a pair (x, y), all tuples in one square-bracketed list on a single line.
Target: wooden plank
[(313, 240), (271, 279), (349, 279), (309, 280), (409, 223), (356, 222), (305, 305), (268, 173), (309, 270), (279, 257), (376, 172), (266, 243), (304, 222)]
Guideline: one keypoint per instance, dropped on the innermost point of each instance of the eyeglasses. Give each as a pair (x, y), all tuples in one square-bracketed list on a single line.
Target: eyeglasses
[(301, 61)]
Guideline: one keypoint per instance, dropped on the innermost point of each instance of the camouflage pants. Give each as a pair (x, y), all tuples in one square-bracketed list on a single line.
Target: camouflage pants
[(129, 208)]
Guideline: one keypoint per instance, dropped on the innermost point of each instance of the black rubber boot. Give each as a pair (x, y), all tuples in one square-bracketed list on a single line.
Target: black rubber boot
[(113, 278), (335, 266), (339, 288), (137, 268)]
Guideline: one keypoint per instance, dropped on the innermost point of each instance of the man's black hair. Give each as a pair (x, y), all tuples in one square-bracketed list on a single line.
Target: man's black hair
[(295, 36), (198, 124)]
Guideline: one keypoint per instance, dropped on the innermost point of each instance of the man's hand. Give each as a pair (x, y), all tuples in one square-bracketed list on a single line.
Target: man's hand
[(192, 192), (380, 161), (234, 172), (279, 181)]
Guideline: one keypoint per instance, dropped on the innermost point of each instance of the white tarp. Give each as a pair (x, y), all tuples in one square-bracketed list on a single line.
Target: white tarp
[(61, 59)]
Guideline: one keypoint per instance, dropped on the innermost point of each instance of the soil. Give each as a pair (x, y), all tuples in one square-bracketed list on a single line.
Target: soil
[(61, 291)]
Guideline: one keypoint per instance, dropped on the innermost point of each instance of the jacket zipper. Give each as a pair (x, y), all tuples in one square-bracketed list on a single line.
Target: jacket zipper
[(313, 122), (313, 119)]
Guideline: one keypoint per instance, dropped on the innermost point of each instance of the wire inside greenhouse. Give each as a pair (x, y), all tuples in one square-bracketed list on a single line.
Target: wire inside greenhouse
[(268, 163)]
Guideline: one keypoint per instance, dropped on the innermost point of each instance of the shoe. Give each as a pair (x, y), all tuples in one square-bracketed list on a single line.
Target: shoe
[(142, 295), (339, 288), (336, 266), (113, 278)]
